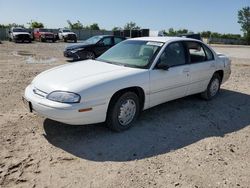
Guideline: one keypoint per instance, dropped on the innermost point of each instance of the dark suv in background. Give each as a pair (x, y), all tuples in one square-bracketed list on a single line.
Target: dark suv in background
[(92, 47)]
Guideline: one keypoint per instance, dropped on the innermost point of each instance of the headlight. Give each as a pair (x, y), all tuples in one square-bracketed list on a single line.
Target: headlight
[(76, 50), (64, 97)]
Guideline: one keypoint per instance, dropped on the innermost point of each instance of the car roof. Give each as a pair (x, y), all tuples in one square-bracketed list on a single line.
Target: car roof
[(163, 39)]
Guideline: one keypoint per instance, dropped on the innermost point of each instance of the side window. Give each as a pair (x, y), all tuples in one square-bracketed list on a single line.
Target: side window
[(208, 52), (107, 41), (117, 40), (196, 52), (173, 55)]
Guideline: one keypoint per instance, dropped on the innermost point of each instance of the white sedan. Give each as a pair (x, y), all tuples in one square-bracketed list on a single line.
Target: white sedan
[(134, 75)]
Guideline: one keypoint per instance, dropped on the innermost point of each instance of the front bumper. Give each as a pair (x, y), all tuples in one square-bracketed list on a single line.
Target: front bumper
[(48, 37), (65, 113), (22, 37), (73, 55), (70, 37)]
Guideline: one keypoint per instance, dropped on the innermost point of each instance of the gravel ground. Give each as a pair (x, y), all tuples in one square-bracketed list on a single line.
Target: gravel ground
[(184, 143)]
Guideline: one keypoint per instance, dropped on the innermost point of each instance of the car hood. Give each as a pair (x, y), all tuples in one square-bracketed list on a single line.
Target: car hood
[(21, 33), (79, 76), (77, 46)]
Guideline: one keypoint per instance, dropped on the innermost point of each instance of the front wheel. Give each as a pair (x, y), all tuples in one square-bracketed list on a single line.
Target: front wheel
[(123, 111), (213, 87)]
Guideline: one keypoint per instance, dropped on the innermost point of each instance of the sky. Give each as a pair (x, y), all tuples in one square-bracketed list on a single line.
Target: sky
[(195, 15)]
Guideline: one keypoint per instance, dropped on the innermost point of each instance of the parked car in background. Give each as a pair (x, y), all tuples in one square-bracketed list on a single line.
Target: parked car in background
[(134, 75), (92, 48), (44, 35), (67, 35), (19, 34), (191, 36)]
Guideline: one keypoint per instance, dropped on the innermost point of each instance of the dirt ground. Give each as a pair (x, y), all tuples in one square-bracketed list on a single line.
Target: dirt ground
[(184, 143)]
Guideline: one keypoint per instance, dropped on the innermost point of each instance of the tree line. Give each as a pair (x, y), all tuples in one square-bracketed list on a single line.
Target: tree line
[(243, 20)]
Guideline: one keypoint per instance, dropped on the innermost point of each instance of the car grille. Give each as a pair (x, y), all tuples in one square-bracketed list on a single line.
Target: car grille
[(39, 92), (23, 37), (71, 36), (49, 36)]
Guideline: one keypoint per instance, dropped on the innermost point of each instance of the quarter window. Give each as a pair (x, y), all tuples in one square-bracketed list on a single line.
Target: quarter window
[(209, 54), (173, 55), (198, 52)]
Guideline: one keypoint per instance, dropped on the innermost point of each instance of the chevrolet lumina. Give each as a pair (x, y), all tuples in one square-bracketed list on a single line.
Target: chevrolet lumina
[(132, 76)]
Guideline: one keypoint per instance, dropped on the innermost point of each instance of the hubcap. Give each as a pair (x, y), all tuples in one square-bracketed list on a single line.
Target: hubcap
[(127, 112), (214, 87)]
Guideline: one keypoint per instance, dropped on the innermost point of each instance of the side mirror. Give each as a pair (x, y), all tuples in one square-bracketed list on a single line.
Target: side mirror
[(101, 43), (9, 32), (161, 65)]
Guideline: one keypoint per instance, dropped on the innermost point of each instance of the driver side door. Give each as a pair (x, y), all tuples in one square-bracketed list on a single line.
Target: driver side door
[(172, 83), (103, 45)]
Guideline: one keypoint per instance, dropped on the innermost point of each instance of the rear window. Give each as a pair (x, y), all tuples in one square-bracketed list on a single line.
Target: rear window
[(196, 52)]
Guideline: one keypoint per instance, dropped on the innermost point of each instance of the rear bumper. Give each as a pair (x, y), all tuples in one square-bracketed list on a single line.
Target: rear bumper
[(226, 75), (65, 113)]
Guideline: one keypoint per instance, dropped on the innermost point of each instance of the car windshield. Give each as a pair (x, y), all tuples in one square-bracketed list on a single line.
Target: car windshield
[(19, 30), (66, 30), (44, 30), (132, 53), (93, 40)]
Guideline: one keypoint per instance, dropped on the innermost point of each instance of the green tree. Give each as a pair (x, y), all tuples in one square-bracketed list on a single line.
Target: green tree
[(94, 26), (244, 21), (116, 29), (76, 25), (10, 25), (131, 25), (172, 32), (34, 24), (205, 34)]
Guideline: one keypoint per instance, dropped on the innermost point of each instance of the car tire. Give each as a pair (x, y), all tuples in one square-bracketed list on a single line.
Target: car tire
[(75, 41), (213, 87), (90, 55), (123, 111), (65, 40)]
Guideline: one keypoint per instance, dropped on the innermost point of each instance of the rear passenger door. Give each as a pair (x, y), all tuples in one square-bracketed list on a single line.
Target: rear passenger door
[(202, 66)]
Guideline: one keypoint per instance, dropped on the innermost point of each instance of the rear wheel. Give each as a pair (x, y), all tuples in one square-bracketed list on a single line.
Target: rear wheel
[(123, 111), (213, 87)]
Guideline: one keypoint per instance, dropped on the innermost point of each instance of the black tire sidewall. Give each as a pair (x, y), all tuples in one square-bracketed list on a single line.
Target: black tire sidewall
[(113, 112)]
